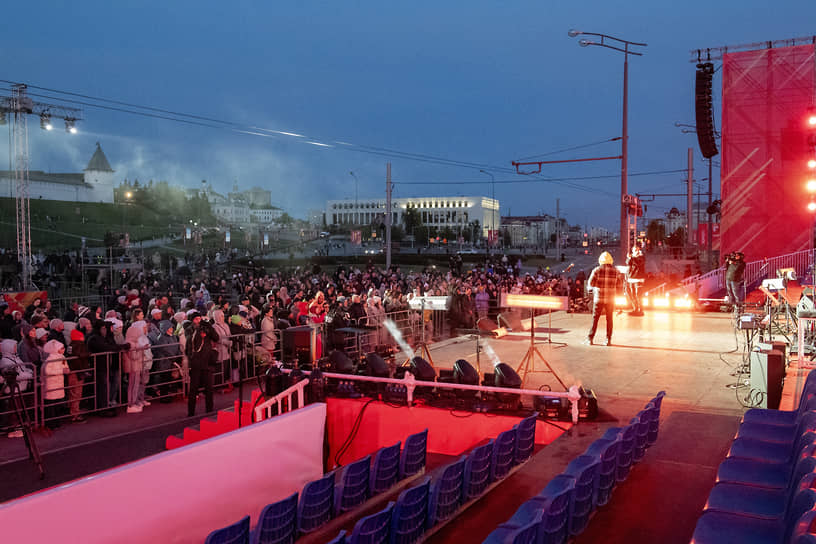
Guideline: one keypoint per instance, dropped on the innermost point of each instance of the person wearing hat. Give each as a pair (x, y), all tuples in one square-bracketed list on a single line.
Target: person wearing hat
[(78, 363), (605, 281), (54, 370), (201, 353)]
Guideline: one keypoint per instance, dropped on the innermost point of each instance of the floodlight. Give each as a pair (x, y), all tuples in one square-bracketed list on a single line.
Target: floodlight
[(70, 125), (422, 370), (584, 43), (811, 185), (811, 163), (464, 373), (574, 32), (811, 206), (377, 367), (45, 121)]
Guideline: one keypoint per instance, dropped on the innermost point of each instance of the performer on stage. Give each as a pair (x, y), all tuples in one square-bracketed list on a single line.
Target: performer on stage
[(636, 276), (605, 280)]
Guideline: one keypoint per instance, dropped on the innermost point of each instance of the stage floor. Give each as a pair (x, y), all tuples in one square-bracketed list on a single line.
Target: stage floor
[(689, 355)]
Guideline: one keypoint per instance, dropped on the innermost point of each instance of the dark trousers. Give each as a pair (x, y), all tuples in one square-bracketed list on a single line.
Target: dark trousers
[(633, 290), (598, 309), (200, 377)]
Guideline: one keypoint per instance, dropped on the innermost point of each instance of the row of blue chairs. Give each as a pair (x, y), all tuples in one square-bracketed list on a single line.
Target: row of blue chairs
[(432, 502), (321, 500), (563, 508), (765, 491)]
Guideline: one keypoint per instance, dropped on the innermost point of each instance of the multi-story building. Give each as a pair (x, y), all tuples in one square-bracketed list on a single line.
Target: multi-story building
[(453, 212)]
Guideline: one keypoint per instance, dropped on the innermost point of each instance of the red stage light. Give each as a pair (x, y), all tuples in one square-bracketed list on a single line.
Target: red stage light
[(812, 119), (811, 206), (811, 185), (811, 163)]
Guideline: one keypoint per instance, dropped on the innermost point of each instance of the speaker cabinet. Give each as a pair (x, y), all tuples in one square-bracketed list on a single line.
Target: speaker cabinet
[(704, 111), (298, 344), (767, 371)]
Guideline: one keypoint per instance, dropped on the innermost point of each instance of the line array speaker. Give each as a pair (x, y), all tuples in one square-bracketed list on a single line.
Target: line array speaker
[(704, 111)]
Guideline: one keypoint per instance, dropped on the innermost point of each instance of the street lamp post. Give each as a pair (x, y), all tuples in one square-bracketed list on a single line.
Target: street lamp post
[(624, 227), (492, 207), (351, 173)]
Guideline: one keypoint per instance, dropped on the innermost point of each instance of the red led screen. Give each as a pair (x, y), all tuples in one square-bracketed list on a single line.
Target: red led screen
[(766, 95)]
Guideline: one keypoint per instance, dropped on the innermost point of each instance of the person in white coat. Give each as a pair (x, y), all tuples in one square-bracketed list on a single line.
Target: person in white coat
[(54, 370)]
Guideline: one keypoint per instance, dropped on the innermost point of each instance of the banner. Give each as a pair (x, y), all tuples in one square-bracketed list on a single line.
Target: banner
[(22, 300), (356, 237)]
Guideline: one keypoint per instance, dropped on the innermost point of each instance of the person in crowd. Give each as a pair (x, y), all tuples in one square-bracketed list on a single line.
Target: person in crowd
[(6, 321), (605, 281), (71, 312), (78, 365), (57, 332), (166, 357), (202, 355), (482, 300), (27, 348), (269, 335), (356, 311), (337, 318), (133, 363), (223, 347), (19, 321), (105, 352), (55, 368)]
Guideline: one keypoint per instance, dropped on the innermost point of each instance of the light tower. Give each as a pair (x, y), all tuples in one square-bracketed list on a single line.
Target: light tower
[(20, 105)]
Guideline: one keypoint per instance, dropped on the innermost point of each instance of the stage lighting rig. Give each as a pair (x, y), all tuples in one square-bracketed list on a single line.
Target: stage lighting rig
[(70, 125), (45, 121)]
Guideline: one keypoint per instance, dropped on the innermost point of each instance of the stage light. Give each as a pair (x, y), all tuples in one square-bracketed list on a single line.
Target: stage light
[(811, 118), (505, 376), (377, 367), (45, 121), (811, 206), (621, 301), (464, 373), (684, 302), (317, 387), (422, 370), (811, 185), (70, 125), (661, 302), (810, 164), (340, 363)]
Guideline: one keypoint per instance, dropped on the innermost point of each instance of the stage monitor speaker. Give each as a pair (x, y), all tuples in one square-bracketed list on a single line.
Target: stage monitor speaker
[(767, 371), (511, 320), (298, 343), (704, 111)]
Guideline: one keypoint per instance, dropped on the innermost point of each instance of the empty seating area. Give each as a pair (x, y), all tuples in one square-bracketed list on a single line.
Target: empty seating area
[(563, 508), (323, 499), (428, 504), (765, 490)]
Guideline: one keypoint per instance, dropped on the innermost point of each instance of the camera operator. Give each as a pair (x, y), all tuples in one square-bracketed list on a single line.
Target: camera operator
[(735, 263)]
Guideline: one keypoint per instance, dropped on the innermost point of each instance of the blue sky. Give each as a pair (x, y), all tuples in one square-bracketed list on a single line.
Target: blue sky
[(478, 82)]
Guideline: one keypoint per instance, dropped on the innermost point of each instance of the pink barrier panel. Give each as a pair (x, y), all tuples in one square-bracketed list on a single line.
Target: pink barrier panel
[(178, 496)]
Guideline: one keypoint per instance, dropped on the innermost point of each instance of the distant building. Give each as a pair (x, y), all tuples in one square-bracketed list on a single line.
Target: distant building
[(452, 212), (531, 230), (94, 184), (240, 207)]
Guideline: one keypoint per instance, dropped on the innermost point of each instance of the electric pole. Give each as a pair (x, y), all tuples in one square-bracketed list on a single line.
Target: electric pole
[(388, 216)]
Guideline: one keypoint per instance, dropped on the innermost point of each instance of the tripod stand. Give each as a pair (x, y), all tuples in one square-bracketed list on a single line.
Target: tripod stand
[(24, 421), (528, 361), (422, 348), (549, 339)]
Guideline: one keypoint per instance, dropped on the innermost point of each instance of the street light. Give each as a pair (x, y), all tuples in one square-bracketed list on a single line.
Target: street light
[(492, 206), (624, 228), (351, 173)]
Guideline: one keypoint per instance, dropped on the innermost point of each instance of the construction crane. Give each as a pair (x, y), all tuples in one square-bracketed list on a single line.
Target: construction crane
[(20, 106)]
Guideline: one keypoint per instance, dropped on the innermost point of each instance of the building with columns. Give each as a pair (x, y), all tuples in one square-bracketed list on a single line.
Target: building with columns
[(94, 184), (435, 211)]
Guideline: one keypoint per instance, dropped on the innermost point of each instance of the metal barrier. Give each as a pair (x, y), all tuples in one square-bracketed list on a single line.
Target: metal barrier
[(264, 410)]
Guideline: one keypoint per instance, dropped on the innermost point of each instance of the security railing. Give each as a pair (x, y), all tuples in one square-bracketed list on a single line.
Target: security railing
[(284, 398), (29, 394)]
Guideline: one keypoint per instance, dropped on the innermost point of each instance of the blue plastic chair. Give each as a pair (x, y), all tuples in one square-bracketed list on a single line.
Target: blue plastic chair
[(278, 522), (626, 452), (728, 528), (373, 529), (316, 506), (644, 421), (525, 437), (606, 451), (801, 533), (774, 452), (557, 498), (446, 493), (767, 475), (385, 470), (783, 417), (410, 514), (339, 539), (777, 433), (754, 501), (412, 459), (237, 533), (354, 486), (477, 471), (504, 455), (586, 471), (654, 425), (513, 534)]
